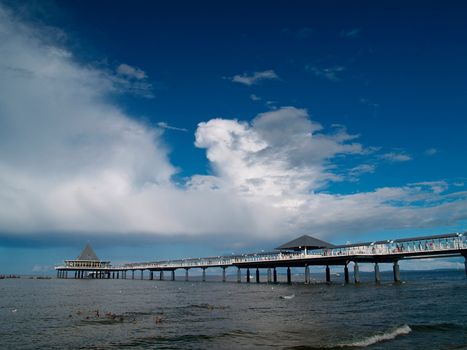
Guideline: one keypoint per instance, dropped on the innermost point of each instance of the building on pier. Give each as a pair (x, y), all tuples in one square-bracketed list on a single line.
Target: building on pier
[(87, 259), (304, 243)]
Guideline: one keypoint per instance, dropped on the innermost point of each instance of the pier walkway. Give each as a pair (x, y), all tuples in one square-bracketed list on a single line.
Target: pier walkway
[(303, 252)]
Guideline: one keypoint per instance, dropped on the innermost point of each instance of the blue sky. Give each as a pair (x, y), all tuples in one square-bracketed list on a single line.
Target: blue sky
[(169, 129)]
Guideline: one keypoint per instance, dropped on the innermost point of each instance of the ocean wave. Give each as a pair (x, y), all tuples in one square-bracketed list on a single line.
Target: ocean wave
[(388, 335)]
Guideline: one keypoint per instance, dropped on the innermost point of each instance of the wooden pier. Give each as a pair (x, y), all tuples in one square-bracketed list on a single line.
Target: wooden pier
[(303, 252)]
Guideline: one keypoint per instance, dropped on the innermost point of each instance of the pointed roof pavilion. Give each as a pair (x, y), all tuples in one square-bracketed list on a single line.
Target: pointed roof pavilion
[(87, 260), (305, 242), (88, 254)]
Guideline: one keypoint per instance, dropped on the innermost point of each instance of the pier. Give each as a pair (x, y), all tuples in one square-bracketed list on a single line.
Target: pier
[(302, 252)]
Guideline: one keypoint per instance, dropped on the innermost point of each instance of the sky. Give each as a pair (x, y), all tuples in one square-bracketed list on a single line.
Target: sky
[(170, 129)]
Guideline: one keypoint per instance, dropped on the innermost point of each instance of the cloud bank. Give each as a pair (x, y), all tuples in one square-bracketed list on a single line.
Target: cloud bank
[(72, 161)]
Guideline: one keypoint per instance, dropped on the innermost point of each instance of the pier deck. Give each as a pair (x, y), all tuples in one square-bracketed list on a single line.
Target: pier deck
[(388, 251)]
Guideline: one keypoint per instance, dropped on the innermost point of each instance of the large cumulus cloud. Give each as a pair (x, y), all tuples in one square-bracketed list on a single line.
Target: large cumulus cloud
[(72, 161)]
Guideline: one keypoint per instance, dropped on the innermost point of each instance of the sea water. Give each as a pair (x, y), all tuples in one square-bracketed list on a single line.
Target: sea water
[(427, 311)]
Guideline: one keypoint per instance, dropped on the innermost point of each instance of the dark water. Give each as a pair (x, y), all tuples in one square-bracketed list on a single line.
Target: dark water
[(428, 311)]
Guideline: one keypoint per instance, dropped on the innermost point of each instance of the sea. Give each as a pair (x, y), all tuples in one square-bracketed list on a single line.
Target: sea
[(428, 310)]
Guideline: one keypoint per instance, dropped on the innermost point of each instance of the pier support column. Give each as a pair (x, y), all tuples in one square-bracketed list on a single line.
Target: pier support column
[(274, 275), (396, 271), (58, 273), (289, 276), (346, 274), (186, 275), (223, 275), (76, 273), (269, 275), (328, 274), (465, 264), (151, 275), (239, 275), (356, 273), (248, 275), (257, 275), (118, 274), (142, 274), (204, 274), (161, 275), (377, 274), (307, 275), (173, 275)]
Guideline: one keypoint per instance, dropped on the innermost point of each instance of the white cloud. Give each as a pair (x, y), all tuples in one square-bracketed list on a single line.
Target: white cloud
[(431, 151), (131, 72), (72, 161), (254, 78), (304, 33), (396, 157), (352, 33), (355, 172), (253, 97), (329, 73), (164, 125)]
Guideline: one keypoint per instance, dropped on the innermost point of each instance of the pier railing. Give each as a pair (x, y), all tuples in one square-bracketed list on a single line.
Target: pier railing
[(414, 246)]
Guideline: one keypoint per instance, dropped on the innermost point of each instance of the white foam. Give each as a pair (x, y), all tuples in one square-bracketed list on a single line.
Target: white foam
[(393, 333)]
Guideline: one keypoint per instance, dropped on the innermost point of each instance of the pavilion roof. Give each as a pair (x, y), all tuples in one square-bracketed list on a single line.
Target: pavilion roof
[(303, 242), (88, 254)]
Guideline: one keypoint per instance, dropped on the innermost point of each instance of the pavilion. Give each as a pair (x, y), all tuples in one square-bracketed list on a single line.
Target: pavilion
[(87, 259), (304, 243)]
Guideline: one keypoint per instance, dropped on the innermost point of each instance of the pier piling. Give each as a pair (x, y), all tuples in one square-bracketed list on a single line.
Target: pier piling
[(269, 275), (328, 274), (248, 275), (257, 275), (239, 276), (356, 273), (396, 271), (186, 275), (377, 273), (274, 275), (204, 274), (346, 274), (223, 275), (289, 276), (307, 275)]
